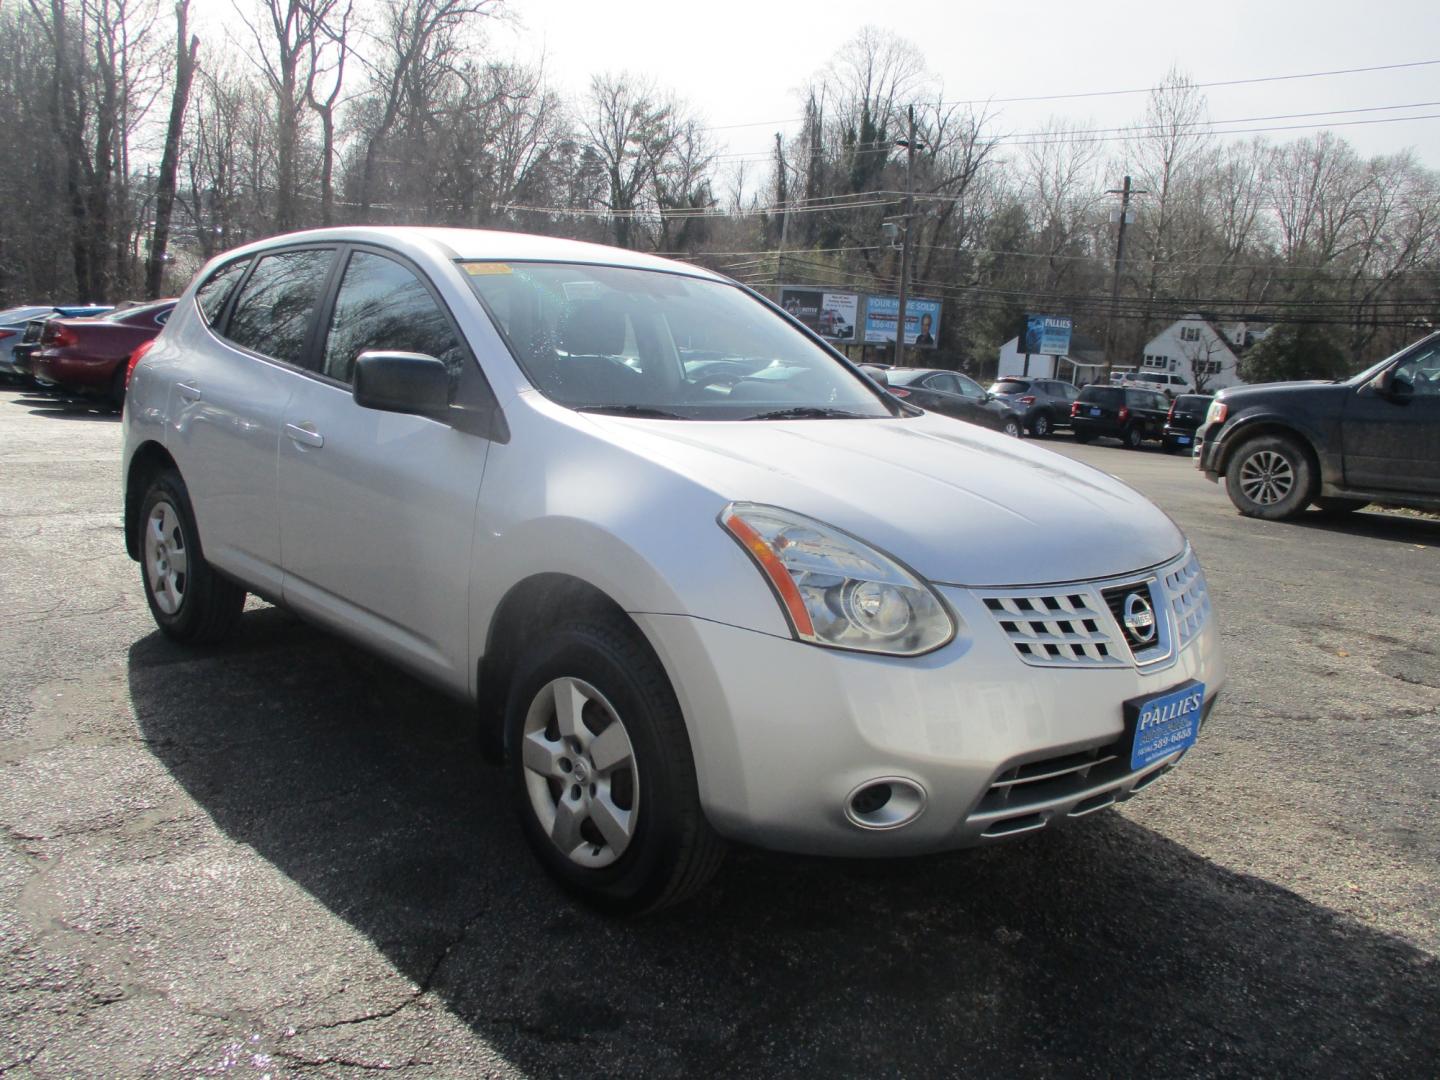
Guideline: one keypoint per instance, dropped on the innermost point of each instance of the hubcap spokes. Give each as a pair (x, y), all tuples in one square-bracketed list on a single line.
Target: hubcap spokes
[(1266, 477), (580, 772), (167, 560)]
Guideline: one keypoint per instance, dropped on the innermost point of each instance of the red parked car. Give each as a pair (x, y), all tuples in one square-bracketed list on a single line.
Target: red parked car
[(88, 356)]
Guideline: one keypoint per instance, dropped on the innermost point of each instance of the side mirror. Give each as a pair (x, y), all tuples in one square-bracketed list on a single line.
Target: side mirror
[(402, 382), (1393, 387)]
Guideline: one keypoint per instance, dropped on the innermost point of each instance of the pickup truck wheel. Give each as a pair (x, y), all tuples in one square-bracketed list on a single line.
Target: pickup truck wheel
[(1040, 426), (1335, 505), (602, 773), (1269, 477), (190, 602), (1133, 437)]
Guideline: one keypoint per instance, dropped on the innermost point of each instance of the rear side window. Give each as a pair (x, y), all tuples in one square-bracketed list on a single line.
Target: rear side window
[(382, 305), (212, 295), (272, 314)]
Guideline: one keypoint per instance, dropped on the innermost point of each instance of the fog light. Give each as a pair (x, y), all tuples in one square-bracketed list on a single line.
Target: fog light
[(886, 802)]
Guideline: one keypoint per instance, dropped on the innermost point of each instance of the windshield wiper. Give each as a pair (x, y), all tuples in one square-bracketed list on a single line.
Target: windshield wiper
[(809, 412), (642, 411)]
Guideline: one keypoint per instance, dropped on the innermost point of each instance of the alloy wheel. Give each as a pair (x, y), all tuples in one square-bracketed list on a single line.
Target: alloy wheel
[(1266, 477), (580, 774), (167, 558)]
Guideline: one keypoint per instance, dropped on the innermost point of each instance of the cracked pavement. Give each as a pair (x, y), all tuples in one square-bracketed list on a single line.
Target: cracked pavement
[(284, 858)]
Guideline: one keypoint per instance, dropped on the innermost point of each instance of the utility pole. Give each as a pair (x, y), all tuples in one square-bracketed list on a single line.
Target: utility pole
[(1124, 193), (905, 242), (784, 194)]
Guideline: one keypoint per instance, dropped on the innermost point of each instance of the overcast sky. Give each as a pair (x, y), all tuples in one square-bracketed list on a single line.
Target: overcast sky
[(742, 62)]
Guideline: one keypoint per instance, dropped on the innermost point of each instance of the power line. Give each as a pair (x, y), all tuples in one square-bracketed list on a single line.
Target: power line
[(1117, 93)]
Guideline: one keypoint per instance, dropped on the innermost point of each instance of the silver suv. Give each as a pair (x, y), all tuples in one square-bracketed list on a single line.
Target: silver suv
[(1043, 404), (699, 577)]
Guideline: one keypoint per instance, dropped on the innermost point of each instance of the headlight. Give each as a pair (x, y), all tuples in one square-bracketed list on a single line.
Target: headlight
[(836, 590), (1217, 412)]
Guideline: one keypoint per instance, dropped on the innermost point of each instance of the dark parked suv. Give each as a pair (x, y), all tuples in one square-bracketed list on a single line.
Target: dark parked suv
[(1341, 445), (1187, 412), (1119, 412), (1043, 404)]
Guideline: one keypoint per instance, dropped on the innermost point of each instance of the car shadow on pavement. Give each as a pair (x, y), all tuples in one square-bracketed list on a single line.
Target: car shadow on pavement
[(1101, 949), (58, 408), (1400, 527)]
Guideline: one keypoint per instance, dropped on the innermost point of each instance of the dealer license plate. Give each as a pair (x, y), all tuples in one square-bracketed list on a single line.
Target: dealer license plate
[(1163, 724), (1094, 412), (1182, 440)]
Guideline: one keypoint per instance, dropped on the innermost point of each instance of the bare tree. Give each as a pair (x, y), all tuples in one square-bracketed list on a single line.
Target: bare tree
[(185, 58)]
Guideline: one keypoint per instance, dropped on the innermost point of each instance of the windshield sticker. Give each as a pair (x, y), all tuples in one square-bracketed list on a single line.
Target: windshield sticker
[(580, 290), (477, 269)]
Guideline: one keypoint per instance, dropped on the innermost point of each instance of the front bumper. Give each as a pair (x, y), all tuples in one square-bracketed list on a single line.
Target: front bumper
[(784, 732)]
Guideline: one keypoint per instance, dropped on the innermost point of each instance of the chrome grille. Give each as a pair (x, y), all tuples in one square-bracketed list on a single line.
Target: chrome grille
[(1189, 599), (1080, 625), (1064, 629)]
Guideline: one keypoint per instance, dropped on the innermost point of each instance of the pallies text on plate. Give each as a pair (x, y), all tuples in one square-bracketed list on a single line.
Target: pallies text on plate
[(1173, 710)]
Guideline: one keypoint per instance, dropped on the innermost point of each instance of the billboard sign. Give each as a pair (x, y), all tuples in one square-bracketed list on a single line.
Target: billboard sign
[(1048, 335), (829, 314), (922, 320)]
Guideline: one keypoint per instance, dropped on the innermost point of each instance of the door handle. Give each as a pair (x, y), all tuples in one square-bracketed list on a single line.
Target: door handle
[(304, 435), (188, 391)]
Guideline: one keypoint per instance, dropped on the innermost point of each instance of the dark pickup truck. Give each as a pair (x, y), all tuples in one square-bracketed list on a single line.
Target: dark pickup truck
[(1338, 445)]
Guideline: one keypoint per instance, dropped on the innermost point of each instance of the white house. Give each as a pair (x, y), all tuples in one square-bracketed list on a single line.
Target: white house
[(1085, 364), (1204, 353)]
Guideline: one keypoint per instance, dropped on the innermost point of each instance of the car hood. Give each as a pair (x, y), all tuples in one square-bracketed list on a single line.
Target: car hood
[(959, 504)]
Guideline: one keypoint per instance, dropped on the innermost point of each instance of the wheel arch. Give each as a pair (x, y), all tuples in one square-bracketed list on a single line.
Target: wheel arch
[(149, 459), (531, 607), (1247, 429)]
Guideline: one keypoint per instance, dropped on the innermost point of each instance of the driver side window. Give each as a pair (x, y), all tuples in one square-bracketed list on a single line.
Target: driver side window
[(383, 306), (1421, 372)]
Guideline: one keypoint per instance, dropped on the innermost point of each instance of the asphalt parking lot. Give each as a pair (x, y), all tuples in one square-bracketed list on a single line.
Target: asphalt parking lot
[(285, 858)]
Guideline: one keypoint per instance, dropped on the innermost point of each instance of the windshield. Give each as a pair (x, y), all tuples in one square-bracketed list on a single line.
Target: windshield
[(1375, 368), (652, 344)]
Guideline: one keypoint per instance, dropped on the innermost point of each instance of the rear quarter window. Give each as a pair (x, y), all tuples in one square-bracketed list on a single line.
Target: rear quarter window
[(216, 289)]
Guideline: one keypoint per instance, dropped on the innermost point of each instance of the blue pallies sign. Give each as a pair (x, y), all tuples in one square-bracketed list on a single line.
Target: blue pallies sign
[(1048, 335)]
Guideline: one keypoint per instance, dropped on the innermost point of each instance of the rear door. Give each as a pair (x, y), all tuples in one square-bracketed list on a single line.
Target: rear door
[(1392, 443), (234, 371), (378, 508)]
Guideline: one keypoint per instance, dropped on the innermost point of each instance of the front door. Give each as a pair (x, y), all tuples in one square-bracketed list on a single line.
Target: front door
[(1392, 441), (378, 508)]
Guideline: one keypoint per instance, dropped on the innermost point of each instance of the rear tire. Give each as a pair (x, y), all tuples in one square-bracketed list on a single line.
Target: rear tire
[(1133, 437), (189, 600), (1012, 428), (602, 773), (1270, 477), (1040, 427), (117, 389)]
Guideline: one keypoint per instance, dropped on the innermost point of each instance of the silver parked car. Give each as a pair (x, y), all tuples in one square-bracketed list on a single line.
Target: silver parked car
[(700, 577), (1043, 404)]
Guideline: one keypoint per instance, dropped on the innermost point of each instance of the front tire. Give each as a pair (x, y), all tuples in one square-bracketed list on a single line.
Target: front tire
[(1012, 428), (602, 773), (1270, 477), (188, 599)]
